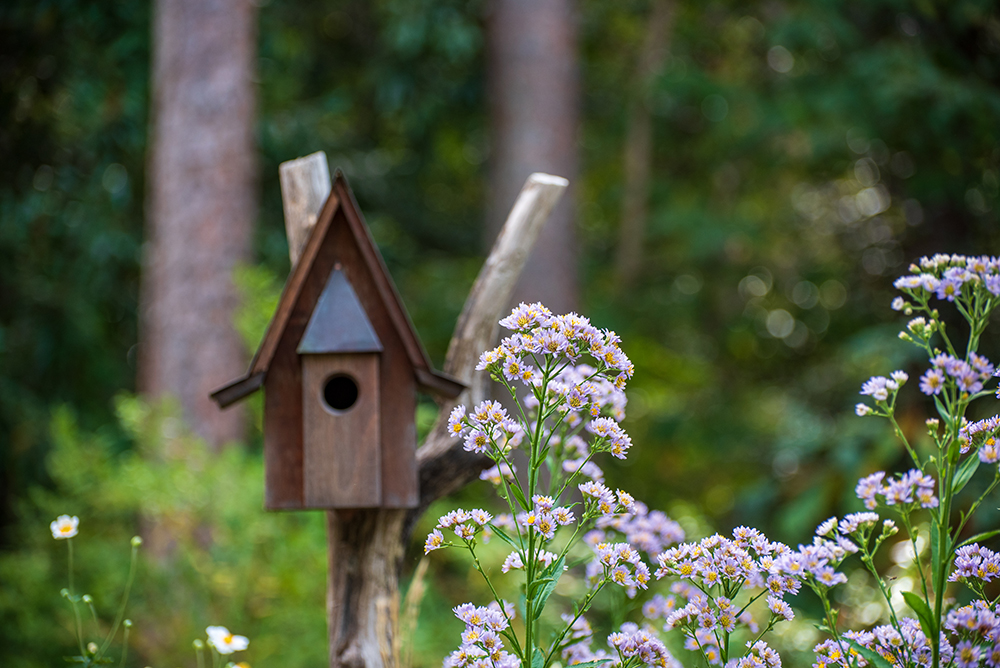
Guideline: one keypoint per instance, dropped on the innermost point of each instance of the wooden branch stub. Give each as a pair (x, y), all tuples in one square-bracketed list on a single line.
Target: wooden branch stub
[(477, 326), (444, 466), (305, 185)]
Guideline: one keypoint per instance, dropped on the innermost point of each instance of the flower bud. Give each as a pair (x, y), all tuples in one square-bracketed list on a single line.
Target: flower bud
[(889, 528), (92, 647), (198, 644), (136, 541), (64, 592), (87, 599), (127, 623)]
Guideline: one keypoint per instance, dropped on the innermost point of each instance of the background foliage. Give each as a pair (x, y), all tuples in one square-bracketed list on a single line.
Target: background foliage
[(804, 153)]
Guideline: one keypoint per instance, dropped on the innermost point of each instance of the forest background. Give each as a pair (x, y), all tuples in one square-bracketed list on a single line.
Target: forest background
[(748, 178)]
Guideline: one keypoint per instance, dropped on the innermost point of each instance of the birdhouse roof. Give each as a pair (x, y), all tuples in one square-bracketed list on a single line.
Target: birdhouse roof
[(324, 309), (339, 324)]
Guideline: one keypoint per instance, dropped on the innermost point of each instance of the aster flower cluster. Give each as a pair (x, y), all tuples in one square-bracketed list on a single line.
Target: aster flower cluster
[(909, 490), (977, 627), (640, 646), (949, 277), (903, 646), (465, 524), (981, 434), (714, 572), (482, 641), (632, 646), (883, 390), (976, 564), (575, 375), (538, 333)]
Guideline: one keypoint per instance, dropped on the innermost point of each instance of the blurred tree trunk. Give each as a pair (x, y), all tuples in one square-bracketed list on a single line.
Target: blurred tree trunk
[(200, 207), (534, 106), (638, 158)]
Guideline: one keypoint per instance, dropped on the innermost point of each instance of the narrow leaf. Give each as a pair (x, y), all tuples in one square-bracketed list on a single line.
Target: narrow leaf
[(919, 606), (980, 536), (519, 496), (534, 586), (554, 572), (873, 657), (589, 664), (964, 473), (510, 540)]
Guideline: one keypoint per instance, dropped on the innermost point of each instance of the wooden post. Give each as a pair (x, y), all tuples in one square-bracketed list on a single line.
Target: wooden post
[(366, 546)]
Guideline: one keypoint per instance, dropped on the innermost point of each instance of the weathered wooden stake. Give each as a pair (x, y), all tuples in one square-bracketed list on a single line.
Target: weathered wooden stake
[(366, 546)]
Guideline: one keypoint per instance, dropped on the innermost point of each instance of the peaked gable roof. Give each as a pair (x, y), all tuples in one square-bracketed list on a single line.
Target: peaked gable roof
[(341, 199), (339, 323)]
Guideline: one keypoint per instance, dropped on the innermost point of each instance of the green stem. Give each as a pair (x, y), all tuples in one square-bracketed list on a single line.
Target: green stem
[(902, 437), (72, 599), (557, 643), (121, 607), (121, 664)]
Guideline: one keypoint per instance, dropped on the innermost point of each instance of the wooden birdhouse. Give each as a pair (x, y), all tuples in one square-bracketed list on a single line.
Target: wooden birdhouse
[(340, 365)]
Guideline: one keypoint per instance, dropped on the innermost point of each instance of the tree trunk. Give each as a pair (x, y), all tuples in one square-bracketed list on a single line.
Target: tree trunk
[(638, 159), (200, 205), (534, 104)]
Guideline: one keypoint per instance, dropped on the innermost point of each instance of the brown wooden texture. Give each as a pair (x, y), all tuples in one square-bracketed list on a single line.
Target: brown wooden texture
[(283, 484), (366, 552), (341, 449), (305, 187), (398, 384)]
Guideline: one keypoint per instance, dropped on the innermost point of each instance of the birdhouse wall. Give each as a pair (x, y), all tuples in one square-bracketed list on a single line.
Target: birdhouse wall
[(283, 393), (341, 432)]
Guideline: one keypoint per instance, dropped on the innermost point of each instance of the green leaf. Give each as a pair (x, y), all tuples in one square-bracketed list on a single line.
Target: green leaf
[(919, 606), (533, 587), (519, 495), (537, 658), (873, 657), (980, 536), (510, 540), (964, 473), (588, 664), (552, 573)]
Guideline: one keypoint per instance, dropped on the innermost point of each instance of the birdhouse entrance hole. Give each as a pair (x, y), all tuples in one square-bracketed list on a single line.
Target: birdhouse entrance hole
[(340, 392)]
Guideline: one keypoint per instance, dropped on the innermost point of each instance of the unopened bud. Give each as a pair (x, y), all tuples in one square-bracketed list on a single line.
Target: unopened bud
[(198, 644), (136, 541), (87, 599), (64, 592), (127, 623), (92, 647)]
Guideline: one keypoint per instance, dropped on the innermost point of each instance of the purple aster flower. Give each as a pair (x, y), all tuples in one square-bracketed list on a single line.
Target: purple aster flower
[(992, 283), (989, 453), (876, 387), (477, 441), (949, 288), (868, 487), (855, 521), (967, 655), (932, 382)]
